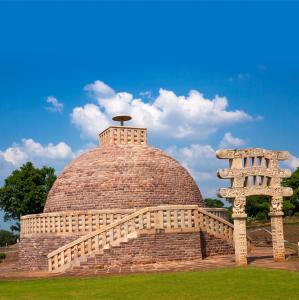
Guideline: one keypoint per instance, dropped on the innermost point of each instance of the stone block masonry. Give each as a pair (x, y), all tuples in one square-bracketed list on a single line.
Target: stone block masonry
[(33, 250), (149, 249), (122, 177), (212, 246), (145, 249)]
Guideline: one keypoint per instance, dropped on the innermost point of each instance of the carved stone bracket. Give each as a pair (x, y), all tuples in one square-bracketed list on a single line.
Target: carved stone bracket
[(239, 204), (276, 206)]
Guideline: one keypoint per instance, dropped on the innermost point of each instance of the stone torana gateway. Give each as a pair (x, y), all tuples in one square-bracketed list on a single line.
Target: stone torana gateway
[(255, 172), (124, 205)]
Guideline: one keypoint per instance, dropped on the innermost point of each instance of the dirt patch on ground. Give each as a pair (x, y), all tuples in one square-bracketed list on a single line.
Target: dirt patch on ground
[(261, 235)]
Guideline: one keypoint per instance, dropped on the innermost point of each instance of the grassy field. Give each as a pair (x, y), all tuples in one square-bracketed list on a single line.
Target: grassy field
[(234, 283)]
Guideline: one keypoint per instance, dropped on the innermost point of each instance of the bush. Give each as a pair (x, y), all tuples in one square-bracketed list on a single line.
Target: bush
[(296, 214), (2, 256), (7, 238), (213, 203)]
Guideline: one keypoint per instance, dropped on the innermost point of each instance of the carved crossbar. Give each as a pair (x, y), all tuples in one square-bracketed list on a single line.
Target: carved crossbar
[(254, 172)]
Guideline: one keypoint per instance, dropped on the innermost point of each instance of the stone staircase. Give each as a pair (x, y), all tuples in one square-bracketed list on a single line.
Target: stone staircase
[(89, 262), (82, 252)]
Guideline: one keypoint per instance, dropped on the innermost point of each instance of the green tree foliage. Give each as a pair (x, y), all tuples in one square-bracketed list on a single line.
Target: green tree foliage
[(293, 182), (288, 207), (7, 238), (2, 257), (213, 203), (25, 191), (257, 207)]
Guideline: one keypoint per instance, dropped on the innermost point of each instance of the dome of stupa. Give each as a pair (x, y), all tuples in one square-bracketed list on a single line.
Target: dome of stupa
[(123, 173)]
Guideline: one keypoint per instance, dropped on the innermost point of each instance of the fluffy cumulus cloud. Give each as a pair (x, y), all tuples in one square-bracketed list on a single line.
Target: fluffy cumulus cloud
[(201, 162), (293, 162), (99, 89), (90, 120), (229, 141), (55, 105), (29, 150), (167, 115)]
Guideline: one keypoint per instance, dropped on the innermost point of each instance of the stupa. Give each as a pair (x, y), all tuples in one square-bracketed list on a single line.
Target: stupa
[(122, 206)]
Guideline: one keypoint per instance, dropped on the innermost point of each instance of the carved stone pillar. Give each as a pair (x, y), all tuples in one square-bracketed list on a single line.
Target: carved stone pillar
[(240, 239), (277, 228)]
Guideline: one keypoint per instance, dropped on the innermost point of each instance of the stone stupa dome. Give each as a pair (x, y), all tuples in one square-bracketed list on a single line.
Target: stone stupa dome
[(123, 173)]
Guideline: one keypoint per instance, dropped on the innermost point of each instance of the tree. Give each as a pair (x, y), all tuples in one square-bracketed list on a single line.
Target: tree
[(288, 207), (293, 182), (257, 207), (25, 191), (7, 238), (213, 203)]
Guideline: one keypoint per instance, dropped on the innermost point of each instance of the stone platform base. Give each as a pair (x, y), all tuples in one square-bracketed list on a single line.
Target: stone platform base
[(150, 252), (147, 248)]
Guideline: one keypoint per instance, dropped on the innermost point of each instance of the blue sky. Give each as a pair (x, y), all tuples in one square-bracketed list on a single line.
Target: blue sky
[(87, 53)]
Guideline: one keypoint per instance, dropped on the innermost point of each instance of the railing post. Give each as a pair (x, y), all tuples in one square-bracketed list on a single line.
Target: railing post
[(56, 261), (50, 264), (159, 220), (196, 220)]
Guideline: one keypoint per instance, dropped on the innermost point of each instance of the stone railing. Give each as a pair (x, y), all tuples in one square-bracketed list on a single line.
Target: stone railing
[(63, 223), (219, 212), (215, 225), (179, 218), (69, 222)]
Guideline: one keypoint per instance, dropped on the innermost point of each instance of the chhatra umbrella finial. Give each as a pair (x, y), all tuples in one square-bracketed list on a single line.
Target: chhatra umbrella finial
[(122, 119)]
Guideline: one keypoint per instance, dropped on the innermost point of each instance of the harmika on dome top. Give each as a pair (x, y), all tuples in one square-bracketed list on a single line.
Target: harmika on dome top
[(124, 173)]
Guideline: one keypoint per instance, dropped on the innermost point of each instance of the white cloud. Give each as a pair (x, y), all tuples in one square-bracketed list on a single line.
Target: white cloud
[(56, 106), (58, 151), (293, 162), (13, 155), (230, 141), (99, 89), (28, 149), (201, 162), (168, 115), (53, 155), (90, 120)]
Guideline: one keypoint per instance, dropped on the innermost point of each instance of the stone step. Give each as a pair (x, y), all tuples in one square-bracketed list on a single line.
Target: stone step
[(82, 263), (97, 261)]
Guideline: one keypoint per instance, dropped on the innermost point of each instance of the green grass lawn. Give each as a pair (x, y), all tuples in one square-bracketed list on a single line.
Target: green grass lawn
[(234, 283)]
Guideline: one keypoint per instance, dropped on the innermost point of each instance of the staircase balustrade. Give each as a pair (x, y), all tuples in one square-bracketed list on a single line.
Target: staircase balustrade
[(170, 218)]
